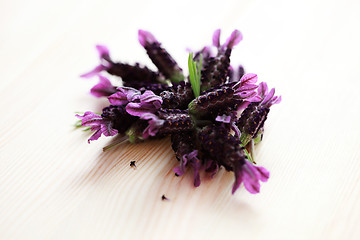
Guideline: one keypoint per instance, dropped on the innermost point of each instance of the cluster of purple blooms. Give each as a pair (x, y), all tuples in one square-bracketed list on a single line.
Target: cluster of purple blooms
[(216, 126)]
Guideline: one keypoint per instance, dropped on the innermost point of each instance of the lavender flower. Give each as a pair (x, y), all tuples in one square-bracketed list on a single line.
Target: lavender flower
[(131, 75), (227, 96), (167, 121), (254, 116), (216, 69), (179, 96), (135, 76), (183, 145), (124, 95), (147, 103), (160, 57), (250, 175), (119, 118), (226, 150), (97, 124), (105, 62), (154, 122)]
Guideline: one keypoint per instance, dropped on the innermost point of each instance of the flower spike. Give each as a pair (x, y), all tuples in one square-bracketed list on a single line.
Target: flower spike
[(105, 60)]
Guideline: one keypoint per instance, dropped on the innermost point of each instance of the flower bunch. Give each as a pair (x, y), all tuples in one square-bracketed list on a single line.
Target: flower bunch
[(214, 117)]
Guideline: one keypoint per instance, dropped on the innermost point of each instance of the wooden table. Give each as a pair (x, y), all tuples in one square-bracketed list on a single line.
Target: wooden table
[(54, 185)]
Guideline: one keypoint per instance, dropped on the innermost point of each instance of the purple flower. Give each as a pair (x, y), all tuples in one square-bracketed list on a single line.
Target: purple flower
[(97, 124), (104, 88), (216, 69), (233, 40), (146, 38), (176, 121), (216, 38), (147, 103), (154, 122), (267, 98), (124, 95), (223, 118), (167, 121), (118, 117), (105, 60), (245, 88), (160, 57), (250, 175), (179, 96), (183, 144)]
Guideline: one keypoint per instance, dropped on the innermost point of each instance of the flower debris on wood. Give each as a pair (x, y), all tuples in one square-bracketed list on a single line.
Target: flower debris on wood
[(214, 117)]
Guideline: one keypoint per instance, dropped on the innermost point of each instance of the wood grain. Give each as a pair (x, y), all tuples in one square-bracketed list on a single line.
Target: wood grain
[(53, 185)]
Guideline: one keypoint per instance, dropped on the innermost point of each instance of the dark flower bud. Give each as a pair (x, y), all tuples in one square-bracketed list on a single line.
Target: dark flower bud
[(175, 120), (179, 96), (160, 57), (214, 101), (215, 70), (252, 120), (119, 118), (183, 144), (218, 144), (133, 73)]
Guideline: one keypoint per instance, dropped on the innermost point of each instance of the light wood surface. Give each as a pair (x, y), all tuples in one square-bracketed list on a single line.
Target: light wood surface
[(54, 185)]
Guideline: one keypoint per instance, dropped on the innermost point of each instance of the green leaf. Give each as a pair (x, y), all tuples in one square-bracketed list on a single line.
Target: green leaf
[(195, 74), (248, 155)]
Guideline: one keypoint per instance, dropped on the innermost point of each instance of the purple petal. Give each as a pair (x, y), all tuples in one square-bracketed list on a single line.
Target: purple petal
[(107, 130), (94, 72), (235, 129), (90, 119), (146, 37), (154, 124), (251, 178), (103, 51), (95, 136), (268, 97), (248, 87), (255, 98), (195, 163), (234, 39), (193, 154), (223, 118), (251, 185), (124, 96), (249, 78), (103, 89), (149, 97), (246, 94), (276, 100), (216, 38), (178, 170), (243, 105), (238, 176), (135, 109), (263, 89), (118, 98), (262, 173)]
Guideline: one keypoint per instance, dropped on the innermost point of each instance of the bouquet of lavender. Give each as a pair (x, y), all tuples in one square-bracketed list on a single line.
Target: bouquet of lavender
[(214, 117)]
